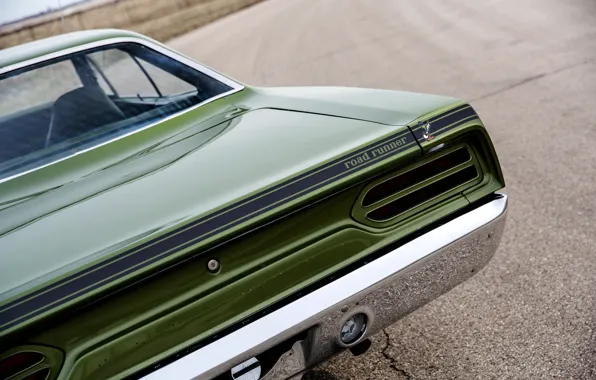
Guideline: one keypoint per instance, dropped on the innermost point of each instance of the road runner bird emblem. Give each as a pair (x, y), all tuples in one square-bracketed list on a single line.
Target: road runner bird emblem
[(426, 128)]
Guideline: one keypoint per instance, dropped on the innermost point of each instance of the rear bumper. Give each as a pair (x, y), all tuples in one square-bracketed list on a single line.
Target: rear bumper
[(385, 290)]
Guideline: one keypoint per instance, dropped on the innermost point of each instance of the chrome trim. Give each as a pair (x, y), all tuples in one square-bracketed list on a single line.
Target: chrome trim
[(110, 41), (236, 87), (386, 289)]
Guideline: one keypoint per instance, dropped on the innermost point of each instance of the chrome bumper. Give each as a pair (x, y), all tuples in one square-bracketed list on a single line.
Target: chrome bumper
[(385, 290)]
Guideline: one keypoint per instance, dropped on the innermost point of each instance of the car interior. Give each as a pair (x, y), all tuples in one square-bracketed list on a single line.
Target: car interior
[(87, 116)]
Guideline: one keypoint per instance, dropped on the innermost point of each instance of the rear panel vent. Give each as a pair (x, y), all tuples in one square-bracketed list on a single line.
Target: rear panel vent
[(414, 176), (420, 186), (30, 363), (18, 363), (398, 206), (42, 374)]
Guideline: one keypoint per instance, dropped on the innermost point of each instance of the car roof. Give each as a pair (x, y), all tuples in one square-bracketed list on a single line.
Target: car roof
[(17, 54)]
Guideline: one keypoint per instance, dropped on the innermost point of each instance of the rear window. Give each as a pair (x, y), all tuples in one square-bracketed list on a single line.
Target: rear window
[(57, 108)]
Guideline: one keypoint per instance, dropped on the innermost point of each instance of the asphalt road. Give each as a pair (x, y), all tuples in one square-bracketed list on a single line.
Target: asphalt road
[(529, 68)]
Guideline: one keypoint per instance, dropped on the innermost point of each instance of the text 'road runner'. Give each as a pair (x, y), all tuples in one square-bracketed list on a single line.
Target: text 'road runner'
[(376, 152)]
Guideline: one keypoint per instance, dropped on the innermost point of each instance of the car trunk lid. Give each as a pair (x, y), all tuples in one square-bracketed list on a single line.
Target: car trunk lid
[(128, 220)]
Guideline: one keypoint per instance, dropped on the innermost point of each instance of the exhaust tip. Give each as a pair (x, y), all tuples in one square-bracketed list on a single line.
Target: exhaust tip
[(353, 328)]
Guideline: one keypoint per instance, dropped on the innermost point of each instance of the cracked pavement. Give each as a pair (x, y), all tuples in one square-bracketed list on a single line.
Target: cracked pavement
[(394, 364), (529, 69), (381, 364)]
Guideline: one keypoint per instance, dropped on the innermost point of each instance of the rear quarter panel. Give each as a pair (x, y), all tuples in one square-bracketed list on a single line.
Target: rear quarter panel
[(141, 225)]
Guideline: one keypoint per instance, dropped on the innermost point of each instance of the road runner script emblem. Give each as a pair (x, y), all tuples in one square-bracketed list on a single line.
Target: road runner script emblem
[(376, 152), (426, 127)]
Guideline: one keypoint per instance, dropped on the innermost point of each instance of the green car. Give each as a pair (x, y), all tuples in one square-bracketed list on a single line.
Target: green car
[(160, 220)]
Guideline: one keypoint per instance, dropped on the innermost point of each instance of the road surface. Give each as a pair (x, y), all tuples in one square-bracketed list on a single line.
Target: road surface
[(529, 68)]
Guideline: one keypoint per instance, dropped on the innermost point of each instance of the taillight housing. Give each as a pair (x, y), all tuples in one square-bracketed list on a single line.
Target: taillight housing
[(30, 363), (19, 362), (436, 181), (42, 374)]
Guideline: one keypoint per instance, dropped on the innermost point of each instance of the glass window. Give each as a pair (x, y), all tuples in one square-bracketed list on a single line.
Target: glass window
[(164, 81), (54, 109), (124, 73), (38, 87)]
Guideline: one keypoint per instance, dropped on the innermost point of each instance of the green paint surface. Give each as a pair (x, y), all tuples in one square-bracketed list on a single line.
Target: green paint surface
[(61, 219)]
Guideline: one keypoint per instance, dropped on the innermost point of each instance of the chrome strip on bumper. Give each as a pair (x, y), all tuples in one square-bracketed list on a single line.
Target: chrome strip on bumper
[(386, 289)]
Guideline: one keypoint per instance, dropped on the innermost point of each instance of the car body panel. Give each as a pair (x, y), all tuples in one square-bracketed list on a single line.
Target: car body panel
[(305, 246), (107, 250), (378, 106), (255, 150)]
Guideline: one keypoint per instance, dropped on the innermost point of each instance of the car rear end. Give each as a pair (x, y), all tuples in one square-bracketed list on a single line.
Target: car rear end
[(413, 231), (340, 251)]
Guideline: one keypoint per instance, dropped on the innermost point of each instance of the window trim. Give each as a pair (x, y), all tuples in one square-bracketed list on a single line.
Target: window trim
[(235, 86)]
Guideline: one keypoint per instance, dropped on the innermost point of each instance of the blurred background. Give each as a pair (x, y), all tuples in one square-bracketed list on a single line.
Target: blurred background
[(27, 20), (529, 69)]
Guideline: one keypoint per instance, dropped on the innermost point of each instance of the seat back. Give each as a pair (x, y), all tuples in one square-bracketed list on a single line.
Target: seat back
[(80, 111)]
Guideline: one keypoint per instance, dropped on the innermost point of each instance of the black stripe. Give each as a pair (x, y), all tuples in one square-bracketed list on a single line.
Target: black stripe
[(463, 106), (98, 275), (221, 211), (440, 122), (246, 370)]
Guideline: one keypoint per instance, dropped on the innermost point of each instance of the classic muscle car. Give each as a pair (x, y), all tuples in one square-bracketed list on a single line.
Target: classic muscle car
[(160, 220)]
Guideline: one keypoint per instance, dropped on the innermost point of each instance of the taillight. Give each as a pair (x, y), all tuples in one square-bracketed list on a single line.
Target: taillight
[(31, 362), (437, 179), (19, 362)]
